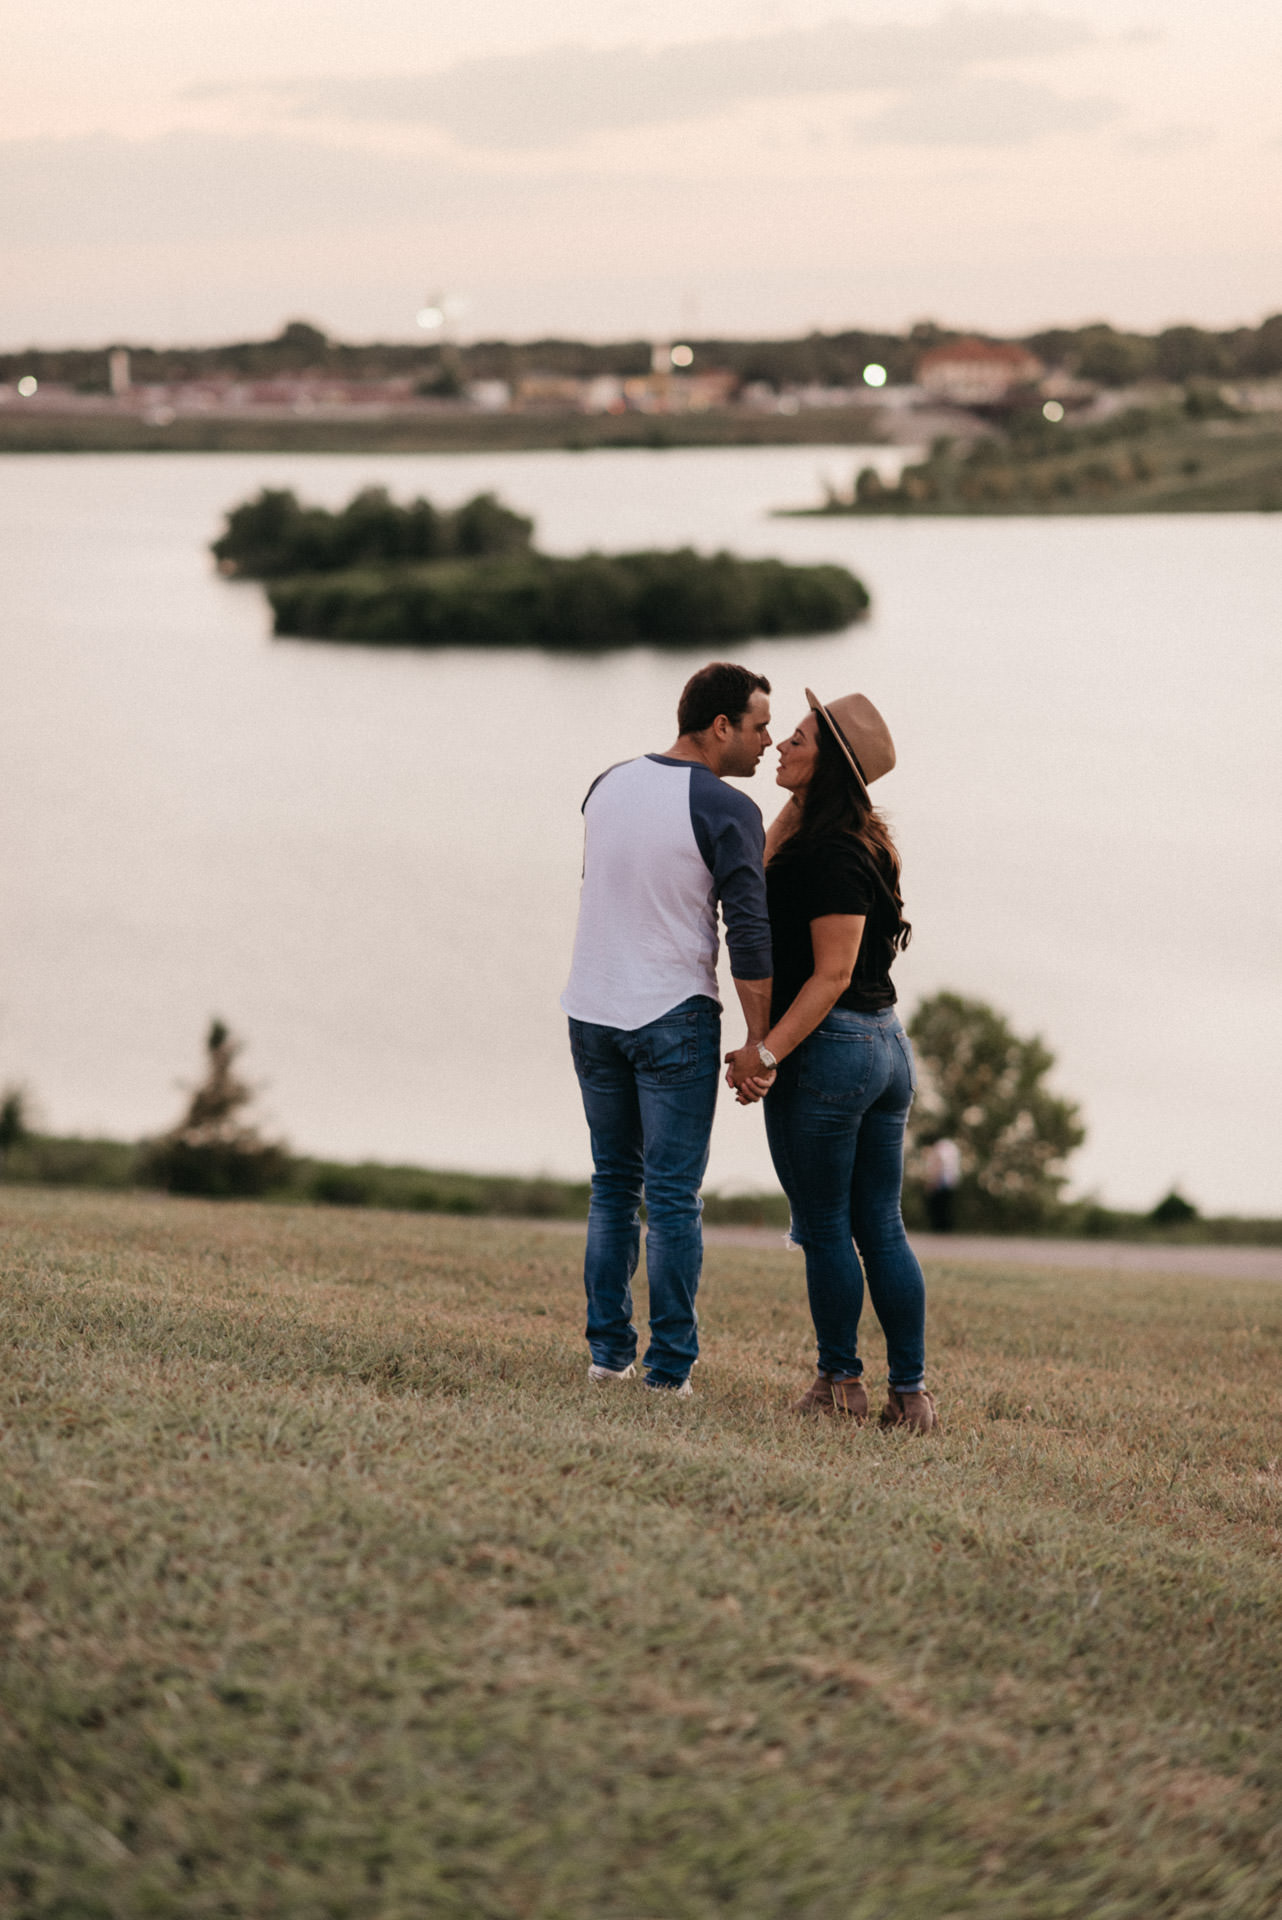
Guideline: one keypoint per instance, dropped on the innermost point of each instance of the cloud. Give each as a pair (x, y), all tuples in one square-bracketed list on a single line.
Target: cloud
[(188, 186), (997, 112), (542, 99)]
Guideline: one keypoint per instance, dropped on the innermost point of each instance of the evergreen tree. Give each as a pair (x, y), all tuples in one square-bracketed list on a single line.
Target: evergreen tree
[(214, 1149), (14, 1124)]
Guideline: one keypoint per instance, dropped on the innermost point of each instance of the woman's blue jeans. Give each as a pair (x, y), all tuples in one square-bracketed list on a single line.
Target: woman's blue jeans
[(649, 1095), (835, 1120)]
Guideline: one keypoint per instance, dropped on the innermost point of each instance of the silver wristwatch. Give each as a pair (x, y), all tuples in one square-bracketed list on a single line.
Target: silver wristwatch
[(767, 1058)]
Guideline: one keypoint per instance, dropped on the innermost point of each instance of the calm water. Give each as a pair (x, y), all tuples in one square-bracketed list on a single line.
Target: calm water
[(368, 862)]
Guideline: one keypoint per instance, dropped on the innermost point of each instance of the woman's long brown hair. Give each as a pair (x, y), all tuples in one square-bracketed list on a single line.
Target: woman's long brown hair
[(837, 807)]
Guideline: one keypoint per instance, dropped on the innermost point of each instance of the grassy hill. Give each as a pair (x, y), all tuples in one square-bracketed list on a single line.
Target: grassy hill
[(329, 1587), (1135, 464)]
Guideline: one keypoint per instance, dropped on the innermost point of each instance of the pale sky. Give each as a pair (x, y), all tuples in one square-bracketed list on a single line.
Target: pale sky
[(204, 172)]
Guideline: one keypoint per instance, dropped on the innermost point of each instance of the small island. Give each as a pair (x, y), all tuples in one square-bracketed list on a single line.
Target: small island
[(1202, 458), (424, 576)]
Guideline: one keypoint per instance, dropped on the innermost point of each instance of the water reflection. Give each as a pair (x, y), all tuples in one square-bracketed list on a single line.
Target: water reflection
[(369, 861)]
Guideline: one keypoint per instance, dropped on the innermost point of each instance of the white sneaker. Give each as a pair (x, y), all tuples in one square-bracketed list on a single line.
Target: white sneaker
[(602, 1376), (684, 1392)]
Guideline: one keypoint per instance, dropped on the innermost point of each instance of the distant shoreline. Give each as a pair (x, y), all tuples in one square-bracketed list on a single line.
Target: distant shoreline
[(29, 432), (1209, 466), (1138, 463)]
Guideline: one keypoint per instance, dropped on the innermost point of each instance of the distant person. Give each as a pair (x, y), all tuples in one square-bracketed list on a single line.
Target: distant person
[(943, 1177), (836, 1067), (665, 841)]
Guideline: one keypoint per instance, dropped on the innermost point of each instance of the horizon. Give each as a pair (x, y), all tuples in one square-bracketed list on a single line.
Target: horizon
[(464, 340)]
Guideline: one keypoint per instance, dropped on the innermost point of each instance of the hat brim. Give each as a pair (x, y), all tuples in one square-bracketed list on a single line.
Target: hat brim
[(847, 751)]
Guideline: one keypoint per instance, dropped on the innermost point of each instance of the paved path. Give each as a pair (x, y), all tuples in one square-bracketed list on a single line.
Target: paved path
[(1100, 1256)]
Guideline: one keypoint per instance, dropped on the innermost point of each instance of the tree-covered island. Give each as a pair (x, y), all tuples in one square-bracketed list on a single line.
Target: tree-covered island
[(421, 575)]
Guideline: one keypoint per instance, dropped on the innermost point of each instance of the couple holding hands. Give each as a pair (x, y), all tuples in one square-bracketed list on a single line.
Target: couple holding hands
[(813, 919)]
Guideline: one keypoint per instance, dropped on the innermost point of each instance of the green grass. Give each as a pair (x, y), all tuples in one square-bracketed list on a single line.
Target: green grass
[(329, 1588), (1162, 467), (53, 1160), (405, 432)]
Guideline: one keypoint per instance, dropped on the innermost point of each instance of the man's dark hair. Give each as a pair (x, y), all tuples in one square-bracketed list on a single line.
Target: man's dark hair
[(720, 687)]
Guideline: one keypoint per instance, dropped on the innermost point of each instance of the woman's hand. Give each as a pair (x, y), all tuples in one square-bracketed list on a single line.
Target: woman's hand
[(745, 1073), (752, 1091)]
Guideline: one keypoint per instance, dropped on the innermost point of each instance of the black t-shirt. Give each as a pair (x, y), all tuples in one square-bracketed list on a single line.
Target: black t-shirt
[(805, 883)]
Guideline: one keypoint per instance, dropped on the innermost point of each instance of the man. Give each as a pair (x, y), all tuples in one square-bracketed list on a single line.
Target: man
[(943, 1177), (665, 840)]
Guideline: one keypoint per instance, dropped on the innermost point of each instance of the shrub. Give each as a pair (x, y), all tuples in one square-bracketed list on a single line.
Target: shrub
[(50, 1160), (342, 1187), (1173, 1210), (273, 535), (656, 599)]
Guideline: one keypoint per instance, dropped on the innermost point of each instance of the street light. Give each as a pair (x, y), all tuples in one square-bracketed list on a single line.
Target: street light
[(440, 311)]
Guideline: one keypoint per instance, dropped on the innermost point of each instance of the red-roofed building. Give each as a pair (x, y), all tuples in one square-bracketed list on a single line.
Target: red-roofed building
[(977, 373)]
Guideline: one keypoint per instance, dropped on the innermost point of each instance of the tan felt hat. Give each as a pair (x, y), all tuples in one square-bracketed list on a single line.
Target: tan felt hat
[(860, 732)]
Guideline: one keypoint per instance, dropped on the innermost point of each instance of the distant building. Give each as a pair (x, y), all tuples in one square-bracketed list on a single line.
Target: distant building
[(118, 370), (667, 392), (550, 393), (714, 388), (1254, 396), (662, 392), (815, 395), (604, 394), (490, 396), (977, 373)]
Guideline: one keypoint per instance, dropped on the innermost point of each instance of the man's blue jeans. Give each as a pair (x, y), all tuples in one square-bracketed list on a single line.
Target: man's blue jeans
[(649, 1095), (835, 1120)]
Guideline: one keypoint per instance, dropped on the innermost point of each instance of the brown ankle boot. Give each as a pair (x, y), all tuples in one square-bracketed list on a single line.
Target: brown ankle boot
[(827, 1395), (916, 1411)]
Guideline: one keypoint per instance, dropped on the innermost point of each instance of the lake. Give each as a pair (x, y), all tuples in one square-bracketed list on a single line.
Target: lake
[(367, 861)]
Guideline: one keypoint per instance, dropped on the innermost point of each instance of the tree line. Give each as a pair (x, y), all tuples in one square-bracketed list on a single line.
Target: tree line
[(1100, 352), (983, 1085)]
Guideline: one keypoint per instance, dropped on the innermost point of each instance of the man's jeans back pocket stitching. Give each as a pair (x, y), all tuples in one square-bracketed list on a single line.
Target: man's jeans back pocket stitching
[(592, 1069), (669, 1054)]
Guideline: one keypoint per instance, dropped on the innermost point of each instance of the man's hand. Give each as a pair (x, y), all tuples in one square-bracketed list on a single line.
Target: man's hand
[(745, 1073)]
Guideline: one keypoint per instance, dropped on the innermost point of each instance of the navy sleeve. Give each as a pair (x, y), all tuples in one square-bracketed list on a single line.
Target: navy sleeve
[(730, 836)]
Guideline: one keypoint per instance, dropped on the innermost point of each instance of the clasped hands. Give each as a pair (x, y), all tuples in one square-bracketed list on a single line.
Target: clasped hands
[(745, 1073)]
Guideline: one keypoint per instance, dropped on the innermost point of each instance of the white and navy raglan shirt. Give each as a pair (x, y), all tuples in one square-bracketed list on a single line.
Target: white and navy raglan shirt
[(665, 841)]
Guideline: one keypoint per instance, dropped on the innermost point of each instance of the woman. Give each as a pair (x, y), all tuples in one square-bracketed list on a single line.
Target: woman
[(838, 1104)]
